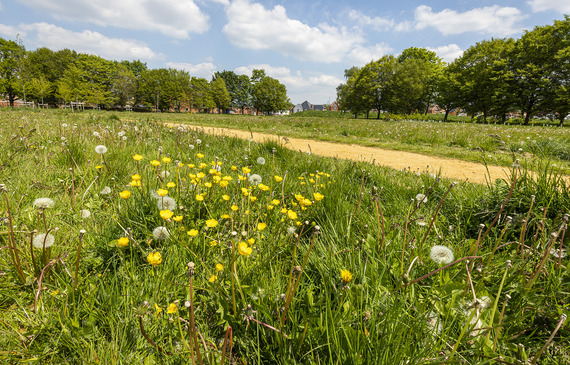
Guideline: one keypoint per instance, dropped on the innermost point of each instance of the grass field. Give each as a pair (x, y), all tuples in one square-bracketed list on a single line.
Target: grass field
[(486, 143), (130, 242)]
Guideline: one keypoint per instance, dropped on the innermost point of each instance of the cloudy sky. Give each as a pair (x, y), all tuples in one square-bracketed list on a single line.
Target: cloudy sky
[(306, 45)]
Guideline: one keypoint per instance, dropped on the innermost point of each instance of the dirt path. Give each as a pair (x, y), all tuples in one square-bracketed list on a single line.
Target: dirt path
[(450, 168)]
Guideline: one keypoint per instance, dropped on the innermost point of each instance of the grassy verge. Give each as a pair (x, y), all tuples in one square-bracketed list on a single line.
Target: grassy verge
[(295, 258)]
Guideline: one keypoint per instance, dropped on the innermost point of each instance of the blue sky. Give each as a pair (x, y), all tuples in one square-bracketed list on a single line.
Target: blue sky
[(306, 45)]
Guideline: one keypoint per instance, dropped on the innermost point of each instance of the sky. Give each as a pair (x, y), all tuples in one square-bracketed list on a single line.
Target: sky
[(306, 45)]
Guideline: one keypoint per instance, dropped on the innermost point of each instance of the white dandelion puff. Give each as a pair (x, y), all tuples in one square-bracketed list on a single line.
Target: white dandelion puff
[(191, 146), (198, 142), (84, 213), (291, 230), (557, 253), (161, 233), (166, 203), (261, 160), (106, 191), (42, 240), (101, 149), (441, 255), (43, 203), (96, 134), (421, 198), (165, 174), (255, 179)]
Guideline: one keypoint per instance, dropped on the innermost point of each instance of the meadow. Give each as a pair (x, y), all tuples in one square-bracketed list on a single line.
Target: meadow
[(125, 241), (495, 144)]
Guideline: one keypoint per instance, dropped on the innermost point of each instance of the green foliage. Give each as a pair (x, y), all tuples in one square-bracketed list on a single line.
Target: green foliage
[(268, 94)]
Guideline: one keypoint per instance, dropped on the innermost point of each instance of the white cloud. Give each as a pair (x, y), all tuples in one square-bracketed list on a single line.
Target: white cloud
[(361, 55), (448, 53), (251, 25), (87, 41), (377, 23), (561, 6), (491, 20), (174, 18), (10, 32), (318, 88), (205, 69)]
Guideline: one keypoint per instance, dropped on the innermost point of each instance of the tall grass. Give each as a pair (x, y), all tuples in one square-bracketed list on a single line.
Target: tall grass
[(265, 284)]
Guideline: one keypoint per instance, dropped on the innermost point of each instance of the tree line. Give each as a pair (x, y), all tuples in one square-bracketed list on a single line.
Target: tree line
[(529, 75), (59, 77)]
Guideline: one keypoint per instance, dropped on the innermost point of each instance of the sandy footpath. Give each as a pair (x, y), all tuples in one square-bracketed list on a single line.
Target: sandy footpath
[(450, 168)]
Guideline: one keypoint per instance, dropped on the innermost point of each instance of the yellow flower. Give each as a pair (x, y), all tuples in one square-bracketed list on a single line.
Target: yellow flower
[(166, 159), (283, 210), (125, 194), (155, 163), (199, 197), (200, 175), (226, 197), (191, 165), (98, 167), (208, 184), (245, 191), (291, 214), (227, 178), (154, 258), (180, 165), (242, 178), (261, 226), (162, 192), (123, 242), (270, 207), (318, 196), (224, 183), (157, 310), (244, 249), (217, 179), (251, 241), (234, 207), (203, 165), (137, 157), (171, 184), (213, 243), (213, 278), (252, 198), (305, 202), (166, 214), (246, 170), (219, 267), (136, 177), (211, 223), (172, 309), (193, 232), (212, 171), (234, 168), (135, 183), (312, 181), (178, 218), (346, 276), (263, 187), (275, 202), (278, 178), (225, 216), (199, 155)]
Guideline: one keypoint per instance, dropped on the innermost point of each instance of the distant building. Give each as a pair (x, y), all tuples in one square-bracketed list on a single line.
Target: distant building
[(304, 106)]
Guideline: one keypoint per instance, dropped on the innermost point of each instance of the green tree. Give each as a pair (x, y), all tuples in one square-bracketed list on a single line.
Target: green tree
[(40, 87), (238, 87), (220, 94), (124, 86), (201, 94), (152, 86), (11, 57), (268, 94), (447, 89)]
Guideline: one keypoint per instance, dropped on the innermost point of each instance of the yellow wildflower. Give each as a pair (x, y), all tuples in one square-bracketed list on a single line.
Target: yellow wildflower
[(199, 197), (202, 165), (155, 163), (234, 168), (346, 276), (318, 196), (219, 267), (278, 178), (135, 183), (225, 197), (252, 198), (123, 242), (261, 226), (224, 183), (213, 243), (234, 207), (208, 184), (125, 194), (291, 214), (166, 214), (136, 177), (275, 202), (263, 187), (244, 249), (171, 184), (166, 159), (211, 223), (162, 192), (172, 309), (225, 216), (157, 310), (178, 218), (251, 241), (199, 155), (213, 278), (191, 165), (137, 157), (154, 258), (193, 232), (246, 170)]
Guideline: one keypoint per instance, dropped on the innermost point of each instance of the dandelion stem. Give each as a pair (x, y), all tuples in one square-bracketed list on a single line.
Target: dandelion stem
[(560, 323), (441, 268), (435, 215)]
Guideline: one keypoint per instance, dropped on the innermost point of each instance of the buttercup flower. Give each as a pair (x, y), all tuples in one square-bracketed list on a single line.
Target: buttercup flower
[(261, 226), (211, 223), (162, 192), (244, 249), (125, 194), (278, 178), (155, 163), (42, 240), (101, 149), (318, 196), (166, 159), (441, 255), (166, 214), (171, 309), (123, 242), (219, 267), (154, 258), (137, 157), (213, 278), (291, 214), (193, 232)]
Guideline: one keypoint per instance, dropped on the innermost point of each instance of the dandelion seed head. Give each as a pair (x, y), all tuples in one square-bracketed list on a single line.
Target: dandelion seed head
[(421, 198), (166, 203), (255, 179), (38, 241), (106, 191), (165, 174), (261, 160), (84, 213), (43, 203), (101, 149), (161, 233), (441, 255)]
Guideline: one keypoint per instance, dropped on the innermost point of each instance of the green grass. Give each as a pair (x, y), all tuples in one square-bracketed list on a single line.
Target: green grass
[(486, 143), (285, 302)]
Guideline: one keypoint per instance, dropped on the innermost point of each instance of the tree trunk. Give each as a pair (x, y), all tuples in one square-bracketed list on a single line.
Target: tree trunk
[(527, 118), (561, 118), (446, 114)]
